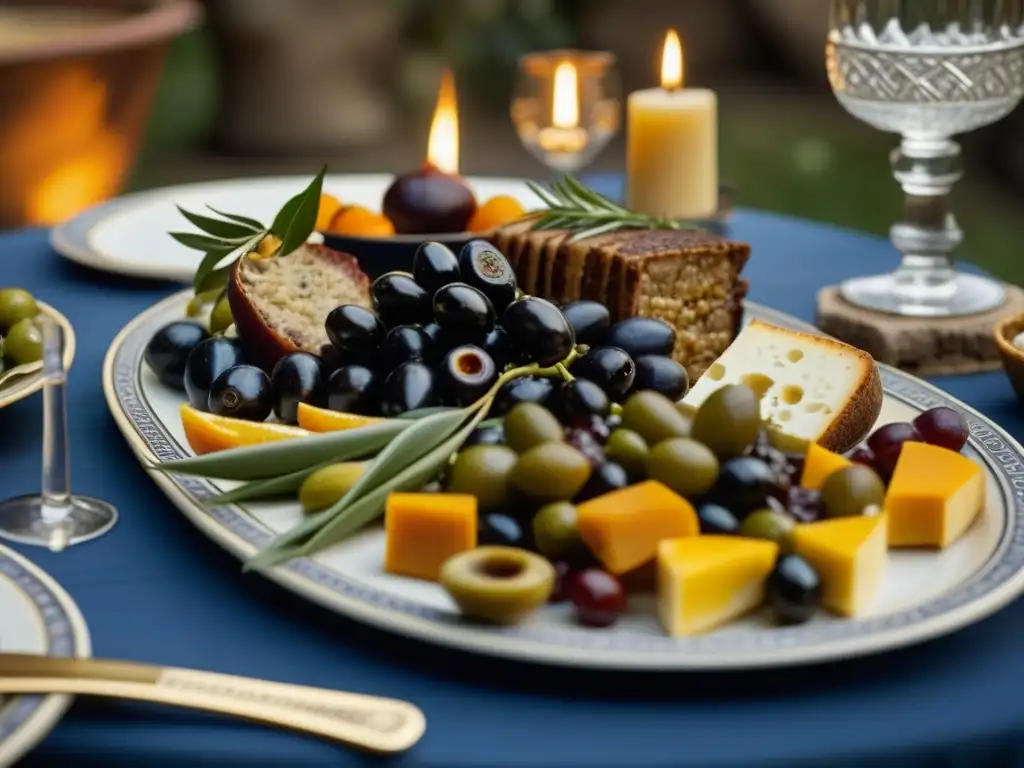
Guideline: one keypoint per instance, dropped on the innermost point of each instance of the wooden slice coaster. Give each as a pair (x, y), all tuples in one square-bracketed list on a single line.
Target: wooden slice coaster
[(925, 346)]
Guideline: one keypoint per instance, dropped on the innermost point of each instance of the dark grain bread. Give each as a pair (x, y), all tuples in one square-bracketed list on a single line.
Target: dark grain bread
[(279, 304), (688, 278)]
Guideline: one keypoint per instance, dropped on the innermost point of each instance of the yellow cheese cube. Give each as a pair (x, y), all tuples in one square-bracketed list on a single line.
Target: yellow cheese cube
[(623, 528), (705, 581), (849, 554), (818, 465), (934, 496), (422, 530)]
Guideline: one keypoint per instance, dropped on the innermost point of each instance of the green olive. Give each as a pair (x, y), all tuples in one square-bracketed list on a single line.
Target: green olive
[(220, 316), (24, 342), (529, 424), (555, 532), (326, 486), (686, 409), (502, 585), (551, 472), (849, 491), (654, 417), (16, 304), (627, 449), (729, 421), (483, 471), (687, 467), (771, 524)]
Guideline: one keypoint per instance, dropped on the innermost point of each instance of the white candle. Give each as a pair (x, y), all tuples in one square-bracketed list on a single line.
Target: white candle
[(672, 145)]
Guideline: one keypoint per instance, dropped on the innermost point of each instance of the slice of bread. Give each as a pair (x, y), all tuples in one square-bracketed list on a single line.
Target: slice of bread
[(811, 387), (279, 304)]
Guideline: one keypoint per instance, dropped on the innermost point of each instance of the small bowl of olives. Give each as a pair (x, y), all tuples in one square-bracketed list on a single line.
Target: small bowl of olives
[(1009, 338)]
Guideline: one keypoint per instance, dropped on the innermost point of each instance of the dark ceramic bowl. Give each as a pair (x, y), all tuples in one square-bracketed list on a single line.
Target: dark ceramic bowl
[(75, 105)]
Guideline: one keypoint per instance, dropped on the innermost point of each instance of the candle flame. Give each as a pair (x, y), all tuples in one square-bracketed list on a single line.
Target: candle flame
[(565, 102), (443, 143), (672, 62)]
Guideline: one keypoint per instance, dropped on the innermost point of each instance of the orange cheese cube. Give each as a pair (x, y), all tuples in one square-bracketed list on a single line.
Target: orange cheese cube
[(422, 530), (818, 465), (623, 528), (934, 496)]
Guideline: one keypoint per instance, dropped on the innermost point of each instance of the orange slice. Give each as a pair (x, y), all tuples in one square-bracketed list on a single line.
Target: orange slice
[(322, 420), (207, 433)]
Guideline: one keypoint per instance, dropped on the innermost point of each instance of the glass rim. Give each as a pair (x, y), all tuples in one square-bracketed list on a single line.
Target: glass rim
[(537, 61)]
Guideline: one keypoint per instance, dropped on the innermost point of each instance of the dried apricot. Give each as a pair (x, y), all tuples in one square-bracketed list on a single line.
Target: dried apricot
[(329, 207), (356, 220), (496, 212)]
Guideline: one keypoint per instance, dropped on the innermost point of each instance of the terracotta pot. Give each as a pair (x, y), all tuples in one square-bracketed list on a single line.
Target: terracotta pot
[(75, 106)]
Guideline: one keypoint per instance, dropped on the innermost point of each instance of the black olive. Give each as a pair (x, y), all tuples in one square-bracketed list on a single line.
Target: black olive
[(611, 368), (490, 434), (167, 352), (463, 310), (661, 374), (499, 347), (589, 321), (538, 330), (354, 330), (405, 343), (350, 390), (578, 399), (605, 477), (399, 300), (434, 266), (410, 387), (744, 484), (793, 590), (524, 389), (716, 519), (428, 200), (297, 378), (467, 373), (642, 336), (503, 531), (484, 267), (242, 392), (208, 360)]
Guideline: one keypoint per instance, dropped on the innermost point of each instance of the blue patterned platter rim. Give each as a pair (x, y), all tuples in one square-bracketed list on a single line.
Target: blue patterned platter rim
[(25, 720), (990, 587)]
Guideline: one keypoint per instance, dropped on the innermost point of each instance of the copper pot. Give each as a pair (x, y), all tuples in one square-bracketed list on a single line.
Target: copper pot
[(75, 105)]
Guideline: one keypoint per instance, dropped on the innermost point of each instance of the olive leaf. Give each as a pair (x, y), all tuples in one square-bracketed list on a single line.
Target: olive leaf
[(240, 219), (271, 487), (295, 222), (220, 228), (281, 457), (422, 413), (206, 243)]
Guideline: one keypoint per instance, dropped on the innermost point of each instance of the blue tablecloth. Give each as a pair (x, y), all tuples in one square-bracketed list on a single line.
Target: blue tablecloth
[(155, 589)]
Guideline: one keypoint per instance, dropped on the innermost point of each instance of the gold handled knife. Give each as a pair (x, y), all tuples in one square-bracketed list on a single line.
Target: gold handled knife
[(370, 723)]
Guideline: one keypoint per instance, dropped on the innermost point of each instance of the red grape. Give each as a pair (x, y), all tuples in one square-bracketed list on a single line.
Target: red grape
[(598, 597), (886, 443), (862, 455), (593, 424), (585, 442), (944, 427), (563, 579)]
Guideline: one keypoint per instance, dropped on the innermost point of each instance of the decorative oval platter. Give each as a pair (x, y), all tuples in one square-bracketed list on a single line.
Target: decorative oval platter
[(924, 594), (19, 386), (36, 616)]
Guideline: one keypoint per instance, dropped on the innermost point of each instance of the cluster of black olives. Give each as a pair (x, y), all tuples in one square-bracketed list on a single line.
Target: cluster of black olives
[(216, 377), (440, 334)]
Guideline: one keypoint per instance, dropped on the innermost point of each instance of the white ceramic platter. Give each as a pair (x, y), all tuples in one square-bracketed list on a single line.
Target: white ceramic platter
[(36, 616), (19, 387), (925, 594), (128, 235)]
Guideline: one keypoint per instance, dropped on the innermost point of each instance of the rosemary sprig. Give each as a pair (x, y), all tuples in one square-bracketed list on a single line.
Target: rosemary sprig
[(575, 207), (230, 237)]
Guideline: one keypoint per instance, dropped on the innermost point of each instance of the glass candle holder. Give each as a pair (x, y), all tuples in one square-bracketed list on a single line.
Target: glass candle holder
[(567, 106)]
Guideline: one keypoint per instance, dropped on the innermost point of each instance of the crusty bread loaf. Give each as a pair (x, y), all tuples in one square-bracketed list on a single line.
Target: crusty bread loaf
[(688, 278), (279, 304)]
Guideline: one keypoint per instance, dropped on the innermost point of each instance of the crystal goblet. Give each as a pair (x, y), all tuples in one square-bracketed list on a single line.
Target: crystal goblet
[(927, 70)]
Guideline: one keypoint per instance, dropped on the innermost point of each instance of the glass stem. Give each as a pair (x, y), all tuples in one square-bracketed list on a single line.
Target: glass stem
[(56, 485), (927, 169)]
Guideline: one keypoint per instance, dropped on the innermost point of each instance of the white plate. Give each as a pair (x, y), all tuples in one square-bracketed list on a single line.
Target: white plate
[(924, 594), (128, 235), (36, 616)]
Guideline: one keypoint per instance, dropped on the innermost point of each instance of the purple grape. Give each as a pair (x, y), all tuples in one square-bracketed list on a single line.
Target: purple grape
[(886, 443), (944, 427)]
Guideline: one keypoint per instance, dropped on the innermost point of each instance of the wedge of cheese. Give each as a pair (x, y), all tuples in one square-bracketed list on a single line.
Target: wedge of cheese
[(934, 496), (811, 387), (706, 581), (849, 554), (819, 463)]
